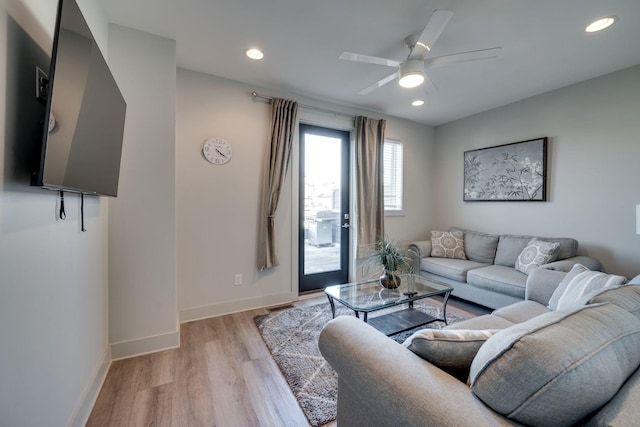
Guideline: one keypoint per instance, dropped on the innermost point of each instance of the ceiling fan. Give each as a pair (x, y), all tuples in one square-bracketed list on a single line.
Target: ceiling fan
[(411, 72)]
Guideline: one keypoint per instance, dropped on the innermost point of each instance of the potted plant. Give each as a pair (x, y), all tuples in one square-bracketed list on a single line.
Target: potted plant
[(392, 260)]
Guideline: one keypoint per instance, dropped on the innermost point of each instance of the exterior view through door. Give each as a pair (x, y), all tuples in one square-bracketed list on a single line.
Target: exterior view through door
[(324, 208)]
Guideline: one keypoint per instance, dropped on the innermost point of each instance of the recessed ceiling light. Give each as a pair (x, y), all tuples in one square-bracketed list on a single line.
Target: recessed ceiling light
[(417, 102), (600, 24), (254, 53)]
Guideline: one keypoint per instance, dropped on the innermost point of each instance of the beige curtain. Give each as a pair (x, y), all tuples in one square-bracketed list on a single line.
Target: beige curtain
[(369, 183), (283, 122)]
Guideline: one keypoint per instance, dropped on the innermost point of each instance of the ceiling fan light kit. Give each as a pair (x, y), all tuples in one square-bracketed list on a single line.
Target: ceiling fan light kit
[(411, 73)]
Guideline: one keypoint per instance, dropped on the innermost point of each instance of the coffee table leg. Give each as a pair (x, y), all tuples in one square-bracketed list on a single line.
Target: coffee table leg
[(444, 307), (333, 307)]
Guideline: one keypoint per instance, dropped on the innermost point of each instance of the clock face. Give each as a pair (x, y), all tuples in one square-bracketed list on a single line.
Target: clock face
[(217, 151)]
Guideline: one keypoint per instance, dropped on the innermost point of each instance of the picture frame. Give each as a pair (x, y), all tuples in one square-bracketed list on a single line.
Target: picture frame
[(515, 172)]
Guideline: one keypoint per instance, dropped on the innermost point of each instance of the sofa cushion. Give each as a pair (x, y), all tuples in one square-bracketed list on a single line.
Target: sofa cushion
[(536, 253), (451, 348), (484, 322), (446, 244), (580, 285), (509, 247), (627, 297), (479, 247), (497, 278), (559, 367), (450, 268), (568, 246), (521, 311)]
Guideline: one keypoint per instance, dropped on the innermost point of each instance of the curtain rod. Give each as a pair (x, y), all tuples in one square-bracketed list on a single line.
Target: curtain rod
[(306, 107)]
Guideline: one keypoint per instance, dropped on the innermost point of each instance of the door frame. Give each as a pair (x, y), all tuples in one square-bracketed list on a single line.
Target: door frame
[(334, 121), (318, 281)]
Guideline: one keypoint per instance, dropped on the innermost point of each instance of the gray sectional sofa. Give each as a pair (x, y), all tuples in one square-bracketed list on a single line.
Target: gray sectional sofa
[(488, 276), (541, 367)]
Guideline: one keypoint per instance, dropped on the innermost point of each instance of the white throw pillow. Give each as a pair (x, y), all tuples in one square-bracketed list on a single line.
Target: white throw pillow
[(580, 285), (536, 253)]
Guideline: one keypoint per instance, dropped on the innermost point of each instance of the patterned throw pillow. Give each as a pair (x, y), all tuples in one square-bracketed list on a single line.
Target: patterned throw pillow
[(446, 244), (536, 253), (580, 285), (448, 348)]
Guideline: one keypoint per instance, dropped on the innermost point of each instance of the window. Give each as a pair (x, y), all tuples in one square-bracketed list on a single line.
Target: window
[(392, 169)]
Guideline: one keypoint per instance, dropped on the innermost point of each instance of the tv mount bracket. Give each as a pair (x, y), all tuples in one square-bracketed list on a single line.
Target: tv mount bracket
[(42, 84)]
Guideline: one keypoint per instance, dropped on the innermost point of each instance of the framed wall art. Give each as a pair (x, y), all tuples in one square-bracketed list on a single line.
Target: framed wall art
[(515, 172)]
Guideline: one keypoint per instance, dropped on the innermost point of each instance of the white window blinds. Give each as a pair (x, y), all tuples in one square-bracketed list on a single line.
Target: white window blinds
[(392, 176)]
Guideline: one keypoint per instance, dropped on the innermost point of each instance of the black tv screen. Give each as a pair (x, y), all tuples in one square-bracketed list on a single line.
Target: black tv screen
[(82, 146)]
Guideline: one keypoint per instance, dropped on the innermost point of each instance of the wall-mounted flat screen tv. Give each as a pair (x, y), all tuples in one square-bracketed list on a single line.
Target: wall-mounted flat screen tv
[(82, 146)]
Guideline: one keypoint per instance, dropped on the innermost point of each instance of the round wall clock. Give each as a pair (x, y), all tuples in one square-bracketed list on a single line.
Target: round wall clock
[(217, 151)]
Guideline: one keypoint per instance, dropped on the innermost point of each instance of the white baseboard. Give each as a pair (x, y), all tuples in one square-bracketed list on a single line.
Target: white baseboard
[(84, 408), (204, 312), (138, 347)]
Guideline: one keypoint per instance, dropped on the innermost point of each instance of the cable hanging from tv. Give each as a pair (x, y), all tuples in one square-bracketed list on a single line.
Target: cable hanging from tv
[(62, 214), (84, 230)]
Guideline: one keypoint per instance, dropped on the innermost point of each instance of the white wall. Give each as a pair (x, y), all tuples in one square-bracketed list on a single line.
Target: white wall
[(217, 206), (53, 277), (142, 228), (593, 172)]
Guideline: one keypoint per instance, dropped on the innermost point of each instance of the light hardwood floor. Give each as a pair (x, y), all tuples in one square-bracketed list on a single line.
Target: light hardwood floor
[(222, 375)]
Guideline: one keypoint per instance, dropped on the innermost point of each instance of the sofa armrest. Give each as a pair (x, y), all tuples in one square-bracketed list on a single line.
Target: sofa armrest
[(544, 280), (568, 263), (392, 385), (417, 251), (421, 249), (541, 283)]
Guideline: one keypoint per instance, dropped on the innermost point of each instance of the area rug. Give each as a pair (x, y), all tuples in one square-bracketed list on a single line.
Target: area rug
[(291, 334)]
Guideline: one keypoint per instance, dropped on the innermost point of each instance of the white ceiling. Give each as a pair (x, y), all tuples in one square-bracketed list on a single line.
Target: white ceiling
[(544, 46)]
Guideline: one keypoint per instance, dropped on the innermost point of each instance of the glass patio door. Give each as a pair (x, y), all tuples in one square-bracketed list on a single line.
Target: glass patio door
[(324, 207)]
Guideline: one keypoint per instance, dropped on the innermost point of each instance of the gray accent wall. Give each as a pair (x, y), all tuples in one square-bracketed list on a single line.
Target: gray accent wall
[(593, 174)]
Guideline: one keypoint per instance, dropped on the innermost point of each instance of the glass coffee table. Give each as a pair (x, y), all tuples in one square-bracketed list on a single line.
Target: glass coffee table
[(366, 297)]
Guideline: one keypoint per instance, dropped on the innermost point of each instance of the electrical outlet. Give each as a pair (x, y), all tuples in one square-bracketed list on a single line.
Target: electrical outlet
[(238, 279)]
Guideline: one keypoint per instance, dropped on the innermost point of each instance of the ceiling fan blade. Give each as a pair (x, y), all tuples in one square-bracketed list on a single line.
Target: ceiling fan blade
[(473, 55), (369, 59), (428, 85), (379, 83), (439, 19)]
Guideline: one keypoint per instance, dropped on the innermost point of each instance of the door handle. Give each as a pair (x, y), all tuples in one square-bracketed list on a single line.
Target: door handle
[(346, 225)]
